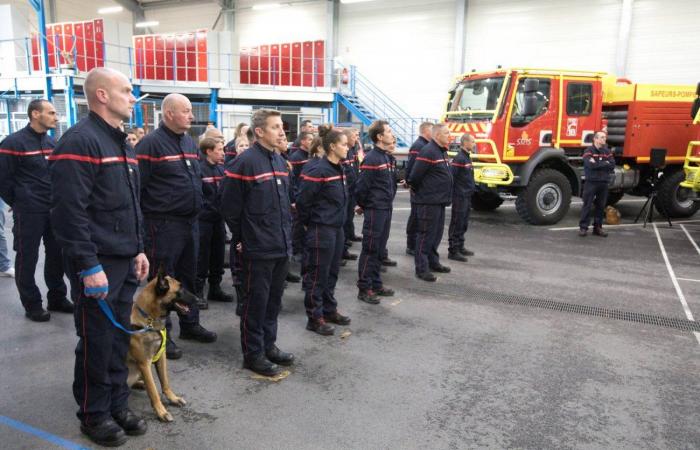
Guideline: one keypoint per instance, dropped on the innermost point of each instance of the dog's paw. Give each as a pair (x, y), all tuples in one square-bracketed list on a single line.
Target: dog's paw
[(165, 416), (177, 401)]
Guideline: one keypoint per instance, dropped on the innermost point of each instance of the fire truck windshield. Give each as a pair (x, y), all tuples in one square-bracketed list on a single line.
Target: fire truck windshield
[(477, 95)]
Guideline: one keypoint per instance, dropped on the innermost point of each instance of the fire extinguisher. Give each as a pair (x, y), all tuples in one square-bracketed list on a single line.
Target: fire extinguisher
[(345, 77)]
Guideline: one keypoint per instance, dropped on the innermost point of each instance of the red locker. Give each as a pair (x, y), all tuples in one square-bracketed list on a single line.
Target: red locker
[(78, 29), (90, 46), (99, 43), (181, 60), (149, 57), (319, 62), (244, 70), (68, 50), (170, 57), (275, 64), (139, 57), (191, 58), (285, 65), (264, 64), (296, 64), (36, 53), (51, 46), (307, 75), (202, 57), (254, 66), (58, 44), (159, 44)]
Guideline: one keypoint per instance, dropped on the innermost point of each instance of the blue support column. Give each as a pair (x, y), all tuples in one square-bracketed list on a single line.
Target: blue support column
[(334, 108), (138, 111), (70, 102), (38, 6), (9, 117), (213, 105)]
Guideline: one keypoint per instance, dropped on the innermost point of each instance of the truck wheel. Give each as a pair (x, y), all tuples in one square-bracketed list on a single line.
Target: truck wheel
[(674, 200), (486, 200), (614, 197), (546, 198)]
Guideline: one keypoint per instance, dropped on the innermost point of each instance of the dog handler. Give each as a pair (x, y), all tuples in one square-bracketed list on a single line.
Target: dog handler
[(97, 221)]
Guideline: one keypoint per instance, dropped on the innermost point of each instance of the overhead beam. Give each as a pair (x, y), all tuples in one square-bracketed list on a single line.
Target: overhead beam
[(460, 40), (137, 14), (623, 38)]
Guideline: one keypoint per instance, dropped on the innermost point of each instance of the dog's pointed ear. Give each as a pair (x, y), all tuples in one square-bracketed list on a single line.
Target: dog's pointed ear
[(162, 284)]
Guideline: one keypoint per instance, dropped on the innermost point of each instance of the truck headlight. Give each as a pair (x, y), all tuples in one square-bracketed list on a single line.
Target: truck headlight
[(494, 173)]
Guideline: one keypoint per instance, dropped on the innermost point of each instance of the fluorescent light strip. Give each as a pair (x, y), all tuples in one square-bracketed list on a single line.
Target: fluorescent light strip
[(110, 10), (150, 23), (266, 6)]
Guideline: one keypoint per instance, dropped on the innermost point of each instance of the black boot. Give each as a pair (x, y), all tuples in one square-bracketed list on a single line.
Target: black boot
[(172, 351), (132, 424), (106, 433), (196, 332), (38, 315), (277, 356), (215, 294), (263, 366), (320, 326), (293, 278), (337, 318), (63, 305)]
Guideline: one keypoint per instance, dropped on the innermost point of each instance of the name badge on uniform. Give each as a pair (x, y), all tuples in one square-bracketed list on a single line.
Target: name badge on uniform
[(131, 171), (279, 181), (187, 161)]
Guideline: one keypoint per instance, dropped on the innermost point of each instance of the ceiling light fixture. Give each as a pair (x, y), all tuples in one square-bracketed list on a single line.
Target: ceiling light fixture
[(147, 24), (110, 10)]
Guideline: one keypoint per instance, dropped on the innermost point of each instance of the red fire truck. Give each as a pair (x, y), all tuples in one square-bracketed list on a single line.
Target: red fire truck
[(541, 120)]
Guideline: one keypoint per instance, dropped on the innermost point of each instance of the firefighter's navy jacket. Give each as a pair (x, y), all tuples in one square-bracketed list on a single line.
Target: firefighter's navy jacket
[(351, 166), (323, 195), (171, 184), (463, 175), (25, 183), (95, 206), (230, 151), (430, 178), (376, 186), (598, 164), (212, 176), (413, 153), (255, 203)]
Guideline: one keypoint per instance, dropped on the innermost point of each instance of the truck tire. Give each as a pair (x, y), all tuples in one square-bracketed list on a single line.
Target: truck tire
[(674, 200), (546, 198), (485, 199), (614, 197)]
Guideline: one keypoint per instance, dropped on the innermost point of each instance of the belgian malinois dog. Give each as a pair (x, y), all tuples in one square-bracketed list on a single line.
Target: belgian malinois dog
[(160, 296)]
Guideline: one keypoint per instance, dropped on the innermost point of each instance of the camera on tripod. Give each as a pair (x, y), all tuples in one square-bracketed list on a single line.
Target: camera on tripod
[(657, 161)]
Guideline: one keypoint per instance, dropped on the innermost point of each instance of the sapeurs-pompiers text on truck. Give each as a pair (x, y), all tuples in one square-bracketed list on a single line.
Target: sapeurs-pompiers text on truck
[(535, 123)]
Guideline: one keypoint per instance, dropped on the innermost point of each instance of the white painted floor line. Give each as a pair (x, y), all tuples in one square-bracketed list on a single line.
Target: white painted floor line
[(622, 225), (690, 238), (689, 279), (679, 292)]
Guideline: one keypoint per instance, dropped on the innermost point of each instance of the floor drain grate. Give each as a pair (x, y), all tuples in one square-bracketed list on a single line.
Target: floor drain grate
[(597, 311)]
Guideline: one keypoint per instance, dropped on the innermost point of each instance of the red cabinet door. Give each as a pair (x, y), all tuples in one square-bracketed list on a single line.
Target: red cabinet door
[(150, 58), (159, 49), (244, 69), (264, 64), (36, 53), (90, 47), (58, 45), (170, 57), (99, 43), (202, 57), (79, 31), (307, 69), (181, 60), (275, 64), (254, 65), (285, 65), (296, 64), (68, 50), (191, 58), (139, 57), (319, 62)]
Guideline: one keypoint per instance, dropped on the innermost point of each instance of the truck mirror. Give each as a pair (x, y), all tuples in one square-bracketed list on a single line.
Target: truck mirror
[(530, 105), (697, 90), (531, 85), (695, 109)]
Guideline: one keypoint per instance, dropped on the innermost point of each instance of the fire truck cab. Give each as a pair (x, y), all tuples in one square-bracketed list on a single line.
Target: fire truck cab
[(541, 120)]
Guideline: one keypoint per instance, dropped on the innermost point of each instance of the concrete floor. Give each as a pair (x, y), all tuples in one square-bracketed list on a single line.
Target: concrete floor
[(431, 367)]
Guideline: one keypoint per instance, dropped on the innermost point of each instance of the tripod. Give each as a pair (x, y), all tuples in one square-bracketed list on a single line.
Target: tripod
[(648, 208)]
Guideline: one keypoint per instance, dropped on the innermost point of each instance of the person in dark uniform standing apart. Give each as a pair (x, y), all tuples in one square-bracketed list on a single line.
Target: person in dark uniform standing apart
[(462, 191), (171, 199), (255, 205), (212, 231), (431, 182), (25, 185), (321, 205), (351, 166), (426, 134), (298, 159), (598, 167), (375, 190), (97, 221)]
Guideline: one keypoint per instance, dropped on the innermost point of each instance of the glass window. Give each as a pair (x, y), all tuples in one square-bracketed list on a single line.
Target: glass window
[(579, 99), (517, 118), (477, 95)]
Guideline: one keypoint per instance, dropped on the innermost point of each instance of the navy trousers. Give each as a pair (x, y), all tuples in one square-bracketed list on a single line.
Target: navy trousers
[(212, 250), (173, 244), (324, 250), (297, 236), (263, 283), (99, 383), (349, 225), (411, 229), (459, 222), (431, 223), (375, 235), (29, 229), (595, 195)]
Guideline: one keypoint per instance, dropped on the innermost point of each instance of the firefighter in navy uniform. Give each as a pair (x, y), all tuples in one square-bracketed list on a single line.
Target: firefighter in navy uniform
[(321, 205), (598, 166), (431, 182), (462, 191), (298, 159), (25, 185), (255, 205), (171, 199), (212, 231), (426, 133), (351, 164), (97, 221), (375, 190)]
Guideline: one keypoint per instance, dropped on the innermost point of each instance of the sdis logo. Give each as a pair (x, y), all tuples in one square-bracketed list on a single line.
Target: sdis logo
[(524, 139)]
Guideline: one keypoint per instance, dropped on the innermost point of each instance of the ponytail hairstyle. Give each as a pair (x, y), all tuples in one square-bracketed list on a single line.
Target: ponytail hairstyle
[(317, 148)]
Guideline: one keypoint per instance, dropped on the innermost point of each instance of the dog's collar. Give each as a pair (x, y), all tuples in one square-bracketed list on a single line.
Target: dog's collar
[(149, 320)]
